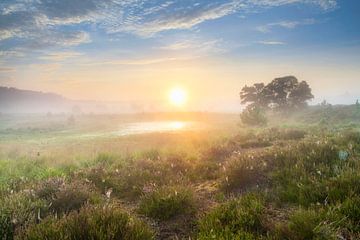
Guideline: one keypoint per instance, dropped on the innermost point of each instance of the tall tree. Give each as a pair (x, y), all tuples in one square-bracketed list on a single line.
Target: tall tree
[(279, 90), (281, 93), (253, 95), (300, 95)]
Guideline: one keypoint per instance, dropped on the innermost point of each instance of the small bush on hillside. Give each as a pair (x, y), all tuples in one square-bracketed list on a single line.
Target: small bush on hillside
[(311, 224), (64, 197), (205, 170), (302, 171), (351, 209), (168, 202), (217, 153), (130, 180), (253, 116), (72, 197), (98, 223), (237, 219), (18, 210), (243, 172), (293, 134)]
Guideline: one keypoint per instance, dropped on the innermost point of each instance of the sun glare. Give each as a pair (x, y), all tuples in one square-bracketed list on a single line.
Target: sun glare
[(178, 97)]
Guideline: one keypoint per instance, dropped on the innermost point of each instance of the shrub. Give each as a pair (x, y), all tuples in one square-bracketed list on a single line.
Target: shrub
[(293, 134), (73, 197), (311, 224), (351, 209), (237, 219), (168, 202), (130, 180), (243, 172), (344, 186), (253, 116), (65, 197), (97, 223), (18, 210), (302, 172)]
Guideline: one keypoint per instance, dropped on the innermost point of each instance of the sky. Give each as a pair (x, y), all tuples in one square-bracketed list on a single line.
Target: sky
[(138, 50)]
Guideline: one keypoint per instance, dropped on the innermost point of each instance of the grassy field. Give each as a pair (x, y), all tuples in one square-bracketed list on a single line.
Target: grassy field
[(296, 178)]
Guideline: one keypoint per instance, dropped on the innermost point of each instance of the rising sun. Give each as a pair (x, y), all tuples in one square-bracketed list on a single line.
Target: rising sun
[(178, 96)]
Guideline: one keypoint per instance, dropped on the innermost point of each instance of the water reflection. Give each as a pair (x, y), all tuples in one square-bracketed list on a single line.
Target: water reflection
[(158, 126)]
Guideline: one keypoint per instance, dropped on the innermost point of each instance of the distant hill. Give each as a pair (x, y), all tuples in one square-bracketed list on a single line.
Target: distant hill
[(9, 94), (13, 100)]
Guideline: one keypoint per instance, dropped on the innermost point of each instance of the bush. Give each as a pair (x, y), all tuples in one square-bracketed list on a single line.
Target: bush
[(351, 209), (253, 116), (243, 172), (65, 197), (130, 180), (168, 202), (237, 219), (97, 223), (311, 224), (293, 134), (18, 210), (302, 172)]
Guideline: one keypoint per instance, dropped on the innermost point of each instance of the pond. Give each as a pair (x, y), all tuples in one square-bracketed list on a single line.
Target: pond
[(158, 126)]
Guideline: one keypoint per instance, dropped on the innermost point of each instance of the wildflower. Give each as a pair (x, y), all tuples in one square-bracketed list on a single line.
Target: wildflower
[(108, 192)]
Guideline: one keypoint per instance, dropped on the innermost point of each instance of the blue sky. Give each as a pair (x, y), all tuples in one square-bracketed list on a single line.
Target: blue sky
[(129, 49)]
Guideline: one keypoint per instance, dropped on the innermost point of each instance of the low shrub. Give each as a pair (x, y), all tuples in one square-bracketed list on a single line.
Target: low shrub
[(253, 116), (168, 202), (292, 134), (17, 211), (344, 186), (236, 219), (130, 180), (351, 209), (311, 224), (64, 197), (243, 172), (91, 222)]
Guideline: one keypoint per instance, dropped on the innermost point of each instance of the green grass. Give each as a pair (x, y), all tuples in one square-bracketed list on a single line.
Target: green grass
[(166, 203), (103, 223), (235, 219), (203, 185)]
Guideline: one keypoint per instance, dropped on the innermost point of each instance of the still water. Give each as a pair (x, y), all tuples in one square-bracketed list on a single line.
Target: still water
[(157, 126)]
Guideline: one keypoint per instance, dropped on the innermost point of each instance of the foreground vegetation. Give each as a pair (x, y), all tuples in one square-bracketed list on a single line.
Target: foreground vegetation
[(277, 182)]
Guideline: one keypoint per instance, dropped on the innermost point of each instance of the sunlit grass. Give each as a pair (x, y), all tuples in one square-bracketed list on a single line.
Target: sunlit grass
[(199, 184)]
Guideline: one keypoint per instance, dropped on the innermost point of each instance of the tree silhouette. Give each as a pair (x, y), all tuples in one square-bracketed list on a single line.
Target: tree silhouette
[(282, 93)]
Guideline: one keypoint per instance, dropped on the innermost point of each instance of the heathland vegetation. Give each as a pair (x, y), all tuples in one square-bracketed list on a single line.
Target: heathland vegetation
[(295, 176)]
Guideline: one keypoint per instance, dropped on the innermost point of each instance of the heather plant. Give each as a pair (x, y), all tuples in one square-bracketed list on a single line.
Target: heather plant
[(236, 219), (18, 210), (91, 222), (168, 202)]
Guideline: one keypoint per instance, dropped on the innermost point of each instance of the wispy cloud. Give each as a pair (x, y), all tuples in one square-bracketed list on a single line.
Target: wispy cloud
[(43, 23), (7, 69), (271, 42), (45, 67), (285, 24), (60, 56), (140, 61), (12, 53), (196, 46)]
